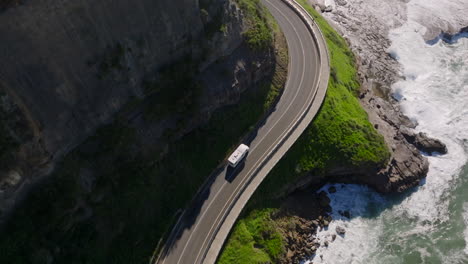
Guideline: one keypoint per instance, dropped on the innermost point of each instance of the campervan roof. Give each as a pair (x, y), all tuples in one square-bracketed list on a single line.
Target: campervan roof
[(238, 154)]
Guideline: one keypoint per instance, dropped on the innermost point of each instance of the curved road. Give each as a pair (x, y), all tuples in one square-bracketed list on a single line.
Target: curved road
[(201, 230)]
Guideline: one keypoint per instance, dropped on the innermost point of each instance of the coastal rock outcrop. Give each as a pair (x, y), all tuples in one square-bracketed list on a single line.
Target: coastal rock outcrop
[(340, 230), (377, 71), (301, 216), (423, 142)]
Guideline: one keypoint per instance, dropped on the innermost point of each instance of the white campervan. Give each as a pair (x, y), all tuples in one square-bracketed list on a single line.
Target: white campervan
[(238, 155)]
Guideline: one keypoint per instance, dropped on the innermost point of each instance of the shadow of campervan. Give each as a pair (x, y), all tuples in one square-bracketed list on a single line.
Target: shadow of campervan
[(231, 172)]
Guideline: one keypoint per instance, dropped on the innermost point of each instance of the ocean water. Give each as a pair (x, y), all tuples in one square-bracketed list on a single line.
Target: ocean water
[(428, 224)]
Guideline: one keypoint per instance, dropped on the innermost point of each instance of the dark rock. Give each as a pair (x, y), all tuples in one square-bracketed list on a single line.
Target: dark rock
[(346, 214), (324, 200), (340, 230), (332, 189), (423, 142), (320, 7), (341, 2), (333, 237), (328, 9)]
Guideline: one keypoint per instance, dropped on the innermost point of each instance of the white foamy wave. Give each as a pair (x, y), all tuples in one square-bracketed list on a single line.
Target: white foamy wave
[(362, 232), (435, 94), (436, 16)]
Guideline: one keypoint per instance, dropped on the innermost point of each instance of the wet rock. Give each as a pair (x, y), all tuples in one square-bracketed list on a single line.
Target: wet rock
[(423, 142), (346, 214), (325, 223), (324, 200), (333, 237), (341, 2), (340, 230), (328, 9)]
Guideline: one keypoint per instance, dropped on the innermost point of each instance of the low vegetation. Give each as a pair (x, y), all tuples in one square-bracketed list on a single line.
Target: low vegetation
[(340, 135), (256, 240), (259, 34)]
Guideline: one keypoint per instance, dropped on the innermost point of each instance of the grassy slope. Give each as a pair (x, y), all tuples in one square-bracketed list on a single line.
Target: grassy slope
[(134, 200), (340, 135), (256, 240)]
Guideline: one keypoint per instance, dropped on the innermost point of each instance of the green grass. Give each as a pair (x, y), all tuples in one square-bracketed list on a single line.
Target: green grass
[(258, 34), (339, 136), (256, 240), (134, 198)]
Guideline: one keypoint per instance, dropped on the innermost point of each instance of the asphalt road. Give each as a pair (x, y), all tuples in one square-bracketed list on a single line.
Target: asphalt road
[(192, 237)]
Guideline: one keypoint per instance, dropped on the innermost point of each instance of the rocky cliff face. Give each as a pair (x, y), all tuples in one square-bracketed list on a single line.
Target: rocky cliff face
[(68, 67)]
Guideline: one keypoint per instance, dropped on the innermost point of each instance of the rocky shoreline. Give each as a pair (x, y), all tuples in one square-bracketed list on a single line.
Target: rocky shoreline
[(302, 215), (377, 71)]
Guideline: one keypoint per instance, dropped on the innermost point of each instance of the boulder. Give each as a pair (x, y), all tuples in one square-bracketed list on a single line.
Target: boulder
[(423, 142), (340, 230), (324, 200), (341, 2)]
